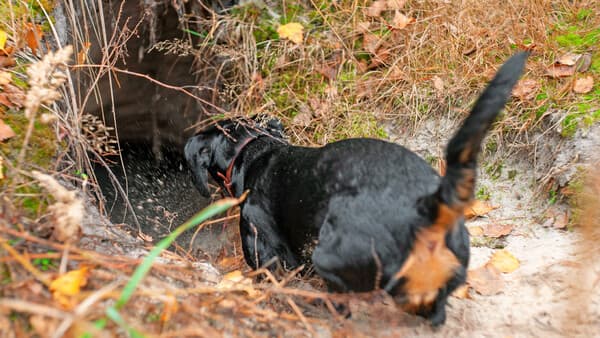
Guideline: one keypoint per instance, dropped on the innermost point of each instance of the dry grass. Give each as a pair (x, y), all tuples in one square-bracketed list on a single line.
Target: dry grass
[(353, 75)]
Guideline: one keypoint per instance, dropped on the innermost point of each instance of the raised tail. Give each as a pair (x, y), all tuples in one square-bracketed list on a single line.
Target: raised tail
[(457, 186)]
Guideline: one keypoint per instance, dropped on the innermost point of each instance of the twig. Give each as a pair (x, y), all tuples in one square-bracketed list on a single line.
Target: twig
[(149, 78), (24, 262), (29, 307)]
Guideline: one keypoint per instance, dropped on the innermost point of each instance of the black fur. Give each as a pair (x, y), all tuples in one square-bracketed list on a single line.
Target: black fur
[(363, 199)]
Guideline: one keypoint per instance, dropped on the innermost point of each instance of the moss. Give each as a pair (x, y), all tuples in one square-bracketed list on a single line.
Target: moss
[(359, 125), (40, 153), (494, 170), (483, 194), (583, 117)]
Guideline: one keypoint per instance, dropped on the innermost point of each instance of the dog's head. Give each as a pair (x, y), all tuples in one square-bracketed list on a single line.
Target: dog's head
[(213, 149)]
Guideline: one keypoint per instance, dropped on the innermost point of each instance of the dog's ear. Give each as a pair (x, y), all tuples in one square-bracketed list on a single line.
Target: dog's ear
[(197, 154)]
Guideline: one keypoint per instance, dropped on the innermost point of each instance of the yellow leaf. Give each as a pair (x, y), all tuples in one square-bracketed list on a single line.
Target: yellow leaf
[(504, 261), (3, 38), (236, 280), (291, 31), (70, 283)]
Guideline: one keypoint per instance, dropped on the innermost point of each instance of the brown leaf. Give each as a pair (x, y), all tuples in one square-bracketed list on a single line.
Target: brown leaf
[(485, 280), (584, 62), (6, 131), (475, 230), (33, 36), (400, 20), (568, 59), (559, 70), (504, 261), (15, 95), (371, 42), (7, 61), (479, 208), (561, 220), (583, 85), (395, 4), (496, 230), (5, 78), (526, 89), (462, 292), (438, 83), (376, 8)]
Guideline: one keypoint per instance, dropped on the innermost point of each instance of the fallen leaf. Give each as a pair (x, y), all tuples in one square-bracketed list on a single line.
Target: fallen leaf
[(475, 230), (395, 4), (583, 85), (438, 84), (5, 78), (561, 220), (14, 94), (526, 89), (170, 307), (3, 38), (462, 292), (33, 36), (82, 54), (236, 280), (485, 280), (371, 42), (569, 59), (376, 8), (504, 261), (478, 209), (68, 285), (292, 31), (584, 62), (6, 131), (496, 230), (559, 70), (400, 20)]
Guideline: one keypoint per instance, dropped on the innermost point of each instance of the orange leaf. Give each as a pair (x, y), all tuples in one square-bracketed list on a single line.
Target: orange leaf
[(583, 85), (33, 36), (6, 131), (479, 208), (68, 285)]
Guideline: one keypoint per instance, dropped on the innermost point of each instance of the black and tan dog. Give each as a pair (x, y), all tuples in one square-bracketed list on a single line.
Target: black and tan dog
[(382, 217)]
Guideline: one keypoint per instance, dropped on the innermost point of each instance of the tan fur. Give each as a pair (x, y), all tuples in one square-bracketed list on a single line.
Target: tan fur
[(430, 264)]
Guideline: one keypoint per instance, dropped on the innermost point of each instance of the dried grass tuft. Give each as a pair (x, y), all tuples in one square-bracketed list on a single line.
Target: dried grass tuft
[(67, 211)]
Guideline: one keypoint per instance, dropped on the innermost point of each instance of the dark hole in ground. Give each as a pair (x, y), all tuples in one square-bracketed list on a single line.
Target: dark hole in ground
[(163, 197)]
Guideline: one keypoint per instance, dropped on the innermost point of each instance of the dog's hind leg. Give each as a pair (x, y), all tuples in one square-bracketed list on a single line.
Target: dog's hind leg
[(261, 241)]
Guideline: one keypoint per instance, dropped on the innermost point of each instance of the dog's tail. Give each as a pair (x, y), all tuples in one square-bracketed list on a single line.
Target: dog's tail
[(457, 186)]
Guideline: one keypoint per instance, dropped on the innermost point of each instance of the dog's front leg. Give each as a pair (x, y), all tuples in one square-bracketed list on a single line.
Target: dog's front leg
[(261, 240)]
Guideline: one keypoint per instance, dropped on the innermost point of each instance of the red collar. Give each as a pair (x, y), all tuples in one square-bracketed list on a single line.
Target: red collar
[(227, 177)]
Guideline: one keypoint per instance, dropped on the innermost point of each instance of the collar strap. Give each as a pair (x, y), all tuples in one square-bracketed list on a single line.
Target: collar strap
[(227, 176)]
